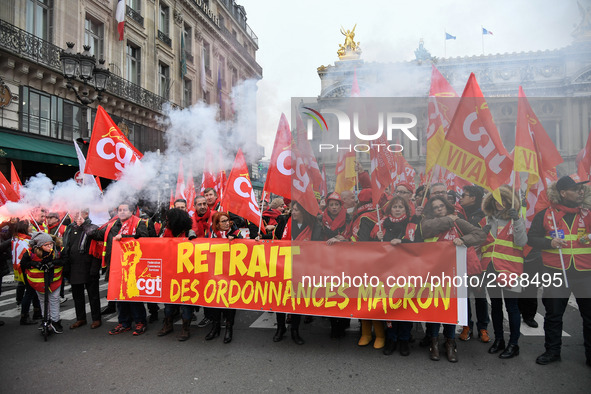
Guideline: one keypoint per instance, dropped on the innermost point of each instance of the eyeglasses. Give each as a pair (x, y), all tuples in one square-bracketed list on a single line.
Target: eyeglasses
[(403, 192), (439, 193), (441, 206), (466, 195)]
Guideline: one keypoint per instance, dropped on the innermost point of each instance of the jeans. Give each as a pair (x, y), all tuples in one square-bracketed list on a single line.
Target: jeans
[(29, 296), (92, 289), (398, 330), (186, 311), (512, 307), (449, 330), (53, 304), (131, 310)]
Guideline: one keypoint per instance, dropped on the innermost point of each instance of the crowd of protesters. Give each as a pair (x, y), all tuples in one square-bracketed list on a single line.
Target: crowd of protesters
[(493, 231)]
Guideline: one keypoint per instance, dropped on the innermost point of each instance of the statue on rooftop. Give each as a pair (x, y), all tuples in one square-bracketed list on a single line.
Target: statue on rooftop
[(350, 49)]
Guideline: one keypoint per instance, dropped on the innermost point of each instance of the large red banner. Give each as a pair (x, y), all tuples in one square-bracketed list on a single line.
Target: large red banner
[(366, 280)]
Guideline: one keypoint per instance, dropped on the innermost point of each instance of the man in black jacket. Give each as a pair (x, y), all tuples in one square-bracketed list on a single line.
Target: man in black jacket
[(82, 268), (561, 232)]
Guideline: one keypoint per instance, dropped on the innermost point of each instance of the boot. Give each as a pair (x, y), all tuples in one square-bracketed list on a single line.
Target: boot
[(451, 350), (295, 335), (378, 327), (279, 333), (214, 332), (26, 321), (434, 349), (37, 315), (185, 331), (365, 333), (229, 332), (166, 327)]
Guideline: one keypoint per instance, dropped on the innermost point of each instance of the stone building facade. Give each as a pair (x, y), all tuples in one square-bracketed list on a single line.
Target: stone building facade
[(173, 52)]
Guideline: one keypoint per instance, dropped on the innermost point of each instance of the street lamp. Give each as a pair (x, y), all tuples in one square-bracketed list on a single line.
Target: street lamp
[(83, 66)]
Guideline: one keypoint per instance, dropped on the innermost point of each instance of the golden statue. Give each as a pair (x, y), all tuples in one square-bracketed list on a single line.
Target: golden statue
[(350, 49)]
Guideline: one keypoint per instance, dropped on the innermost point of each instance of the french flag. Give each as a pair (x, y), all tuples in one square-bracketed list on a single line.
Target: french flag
[(120, 17), (485, 32)]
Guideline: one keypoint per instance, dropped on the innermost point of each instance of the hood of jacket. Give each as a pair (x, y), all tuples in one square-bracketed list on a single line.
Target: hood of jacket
[(488, 203), (554, 195)]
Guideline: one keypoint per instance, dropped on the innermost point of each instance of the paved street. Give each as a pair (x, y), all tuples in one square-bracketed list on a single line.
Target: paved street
[(92, 361)]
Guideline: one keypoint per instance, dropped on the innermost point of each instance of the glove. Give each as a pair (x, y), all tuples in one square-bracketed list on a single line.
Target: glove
[(513, 214), (49, 265), (486, 229)]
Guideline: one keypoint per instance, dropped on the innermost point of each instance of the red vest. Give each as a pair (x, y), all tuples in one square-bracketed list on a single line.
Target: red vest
[(574, 252), (36, 277), (502, 251)]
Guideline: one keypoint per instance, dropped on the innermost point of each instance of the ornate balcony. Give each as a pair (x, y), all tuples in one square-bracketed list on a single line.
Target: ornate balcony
[(164, 38), (136, 16), (36, 50)]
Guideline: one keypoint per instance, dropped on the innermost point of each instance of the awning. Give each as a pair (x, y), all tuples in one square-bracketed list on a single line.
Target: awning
[(15, 146)]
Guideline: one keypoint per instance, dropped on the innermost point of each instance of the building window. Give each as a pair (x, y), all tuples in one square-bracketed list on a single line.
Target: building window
[(135, 5), (51, 116), (188, 43), (222, 74), (164, 18), (234, 77), (163, 80), (94, 36), (133, 63), (187, 93), (39, 18), (134, 11), (207, 58)]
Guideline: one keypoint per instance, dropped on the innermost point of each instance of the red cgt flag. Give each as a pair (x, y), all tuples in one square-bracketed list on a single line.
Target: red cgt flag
[(190, 193), (383, 164), (7, 193), (239, 196), (109, 151), (472, 148), (301, 185), (534, 152), (15, 180), (443, 101), (280, 170)]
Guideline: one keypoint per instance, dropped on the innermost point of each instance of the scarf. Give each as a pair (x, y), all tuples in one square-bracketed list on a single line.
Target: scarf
[(334, 224), (201, 223), (383, 223), (272, 214), (129, 226), (304, 235)]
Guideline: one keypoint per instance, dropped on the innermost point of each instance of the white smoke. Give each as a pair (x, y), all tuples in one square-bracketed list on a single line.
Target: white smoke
[(193, 134)]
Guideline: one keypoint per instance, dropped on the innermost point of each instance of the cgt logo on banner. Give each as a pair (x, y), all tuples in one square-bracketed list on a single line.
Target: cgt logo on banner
[(387, 122), (109, 152), (141, 277)]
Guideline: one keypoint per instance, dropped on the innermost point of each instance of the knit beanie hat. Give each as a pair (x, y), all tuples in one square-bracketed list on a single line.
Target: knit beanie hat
[(40, 239)]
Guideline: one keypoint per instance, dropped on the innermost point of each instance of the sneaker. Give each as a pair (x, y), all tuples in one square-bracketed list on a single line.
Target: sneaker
[(119, 329), (483, 334), (57, 327), (466, 334), (205, 322), (140, 328), (63, 299)]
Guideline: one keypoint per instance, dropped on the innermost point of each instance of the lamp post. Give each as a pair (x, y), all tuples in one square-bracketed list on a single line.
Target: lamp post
[(83, 66)]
